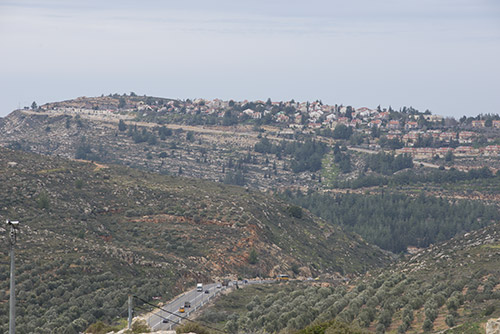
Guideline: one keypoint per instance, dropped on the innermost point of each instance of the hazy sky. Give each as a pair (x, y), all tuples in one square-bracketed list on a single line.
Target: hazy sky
[(441, 55)]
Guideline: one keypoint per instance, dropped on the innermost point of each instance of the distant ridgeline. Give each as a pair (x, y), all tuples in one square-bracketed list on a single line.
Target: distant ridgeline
[(265, 145)]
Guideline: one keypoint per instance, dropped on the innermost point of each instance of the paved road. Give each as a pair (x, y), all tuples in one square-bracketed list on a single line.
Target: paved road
[(196, 298)]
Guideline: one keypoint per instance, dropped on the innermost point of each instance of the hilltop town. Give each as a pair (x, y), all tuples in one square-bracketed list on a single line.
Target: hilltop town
[(420, 134), (263, 144)]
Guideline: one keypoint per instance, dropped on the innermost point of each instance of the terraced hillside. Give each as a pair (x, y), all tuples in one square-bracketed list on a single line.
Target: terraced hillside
[(91, 233), (223, 143), (455, 284), (223, 154)]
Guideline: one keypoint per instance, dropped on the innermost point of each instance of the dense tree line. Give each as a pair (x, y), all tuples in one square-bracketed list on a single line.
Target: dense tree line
[(237, 178), (342, 159), (141, 136), (85, 151), (306, 156), (395, 221), (340, 131), (164, 132), (386, 163), (411, 177), (392, 144)]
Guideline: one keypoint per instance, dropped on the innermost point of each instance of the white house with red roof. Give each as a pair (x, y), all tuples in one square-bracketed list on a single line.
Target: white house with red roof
[(447, 136), (411, 125), (394, 124), (492, 150), (464, 151), (382, 115), (406, 150), (365, 112), (314, 125), (466, 137), (393, 136), (252, 113), (410, 138), (343, 120), (354, 122), (282, 118), (442, 151), (424, 152)]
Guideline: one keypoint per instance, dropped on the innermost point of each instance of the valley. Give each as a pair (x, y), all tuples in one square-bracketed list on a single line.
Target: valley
[(386, 221), (92, 231)]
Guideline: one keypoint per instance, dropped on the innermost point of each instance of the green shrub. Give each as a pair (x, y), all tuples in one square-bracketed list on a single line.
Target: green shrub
[(253, 258), (79, 184), (140, 326), (192, 327), (489, 310), (100, 328), (43, 201), (295, 211)]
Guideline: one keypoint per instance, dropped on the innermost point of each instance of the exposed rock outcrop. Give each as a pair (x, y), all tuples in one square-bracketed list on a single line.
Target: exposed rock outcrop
[(493, 326)]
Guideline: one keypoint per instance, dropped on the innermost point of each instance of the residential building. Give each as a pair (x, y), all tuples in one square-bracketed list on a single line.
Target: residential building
[(394, 124), (466, 137), (447, 136), (411, 125), (479, 124), (492, 150)]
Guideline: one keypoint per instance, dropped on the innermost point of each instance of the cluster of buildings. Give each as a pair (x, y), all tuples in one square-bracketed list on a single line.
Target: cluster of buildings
[(482, 124), (413, 137), (408, 128), (460, 151)]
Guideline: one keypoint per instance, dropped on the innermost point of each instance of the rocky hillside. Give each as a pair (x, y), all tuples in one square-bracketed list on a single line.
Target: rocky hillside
[(453, 287), (272, 146), (88, 230), (218, 153)]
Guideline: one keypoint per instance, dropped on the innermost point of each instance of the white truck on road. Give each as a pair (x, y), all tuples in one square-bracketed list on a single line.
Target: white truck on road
[(199, 287)]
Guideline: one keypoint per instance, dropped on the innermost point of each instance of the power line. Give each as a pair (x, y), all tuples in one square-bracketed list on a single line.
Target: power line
[(159, 316), (180, 316), (14, 229), (123, 313)]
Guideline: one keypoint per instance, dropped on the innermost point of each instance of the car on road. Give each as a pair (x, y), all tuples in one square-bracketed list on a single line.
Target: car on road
[(283, 277), (187, 304), (207, 291), (181, 309), (165, 321), (218, 286)]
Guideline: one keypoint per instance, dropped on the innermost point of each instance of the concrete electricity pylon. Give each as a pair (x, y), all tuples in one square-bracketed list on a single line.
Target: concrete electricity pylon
[(14, 228), (130, 311)]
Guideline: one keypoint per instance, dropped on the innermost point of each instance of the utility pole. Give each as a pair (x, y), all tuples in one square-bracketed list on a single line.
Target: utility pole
[(14, 226), (129, 311)]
